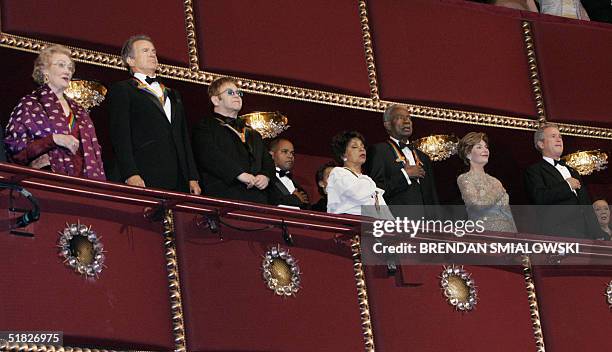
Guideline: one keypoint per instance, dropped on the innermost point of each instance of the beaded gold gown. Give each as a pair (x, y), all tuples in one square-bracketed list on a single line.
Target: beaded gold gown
[(486, 199)]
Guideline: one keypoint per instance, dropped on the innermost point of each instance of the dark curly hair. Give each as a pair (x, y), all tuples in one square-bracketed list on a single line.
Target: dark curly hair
[(340, 141)]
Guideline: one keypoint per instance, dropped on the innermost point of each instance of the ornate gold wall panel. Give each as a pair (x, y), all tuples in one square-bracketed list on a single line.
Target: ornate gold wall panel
[(533, 305), (193, 74), (362, 295), (194, 62), (534, 72), (368, 48)]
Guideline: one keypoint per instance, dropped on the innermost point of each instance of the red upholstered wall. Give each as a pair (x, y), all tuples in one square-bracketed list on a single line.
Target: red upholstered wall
[(576, 69), (127, 307), (448, 55), (315, 44), (100, 25)]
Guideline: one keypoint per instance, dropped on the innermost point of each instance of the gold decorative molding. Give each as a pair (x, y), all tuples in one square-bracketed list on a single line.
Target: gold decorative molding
[(362, 295), (369, 50), (174, 284), (24, 347), (311, 95), (533, 305), (194, 62), (534, 75)]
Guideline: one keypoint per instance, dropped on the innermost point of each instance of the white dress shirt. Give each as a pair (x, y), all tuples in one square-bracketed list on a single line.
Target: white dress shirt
[(287, 182), (347, 192), (409, 159), (155, 87), (562, 169)]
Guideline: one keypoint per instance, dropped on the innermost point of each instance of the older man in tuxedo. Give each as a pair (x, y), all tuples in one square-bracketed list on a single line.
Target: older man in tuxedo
[(551, 182), (231, 158), (284, 190), (404, 172), (148, 128)]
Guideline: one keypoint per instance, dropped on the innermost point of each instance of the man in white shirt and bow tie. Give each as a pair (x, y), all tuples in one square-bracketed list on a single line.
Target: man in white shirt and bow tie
[(148, 127), (551, 182), (403, 171), (284, 190)]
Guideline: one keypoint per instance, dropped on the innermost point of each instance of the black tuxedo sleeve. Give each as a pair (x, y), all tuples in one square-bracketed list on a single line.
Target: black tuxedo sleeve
[(191, 165), (276, 197), (209, 156), (541, 192), (267, 166), (378, 167), (429, 179), (120, 130)]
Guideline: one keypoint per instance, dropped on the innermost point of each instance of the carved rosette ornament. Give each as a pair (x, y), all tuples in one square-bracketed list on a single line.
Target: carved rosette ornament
[(458, 288), (281, 272), (81, 249), (609, 294)]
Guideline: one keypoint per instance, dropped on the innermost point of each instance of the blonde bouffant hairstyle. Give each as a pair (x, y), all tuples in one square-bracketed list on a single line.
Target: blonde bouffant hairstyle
[(44, 60)]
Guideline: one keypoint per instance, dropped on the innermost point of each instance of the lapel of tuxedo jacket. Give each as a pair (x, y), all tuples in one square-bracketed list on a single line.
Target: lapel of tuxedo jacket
[(281, 187), (552, 171), (152, 97)]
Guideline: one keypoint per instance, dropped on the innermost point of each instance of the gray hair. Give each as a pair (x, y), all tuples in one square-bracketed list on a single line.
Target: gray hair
[(44, 60), (391, 109), (539, 134), (128, 47)]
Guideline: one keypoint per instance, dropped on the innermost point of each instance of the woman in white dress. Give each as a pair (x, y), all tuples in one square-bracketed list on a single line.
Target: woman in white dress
[(348, 189)]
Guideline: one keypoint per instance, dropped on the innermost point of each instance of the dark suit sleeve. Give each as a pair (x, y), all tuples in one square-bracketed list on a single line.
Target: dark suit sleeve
[(276, 197), (209, 156), (541, 192), (267, 165), (191, 165), (376, 169), (429, 178), (120, 130)]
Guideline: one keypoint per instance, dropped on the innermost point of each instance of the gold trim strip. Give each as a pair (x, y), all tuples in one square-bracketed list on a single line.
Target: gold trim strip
[(194, 62), (21, 347), (536, 325), (174, 284), (369, 50), (362, 295), (534, 72), (310, 95)]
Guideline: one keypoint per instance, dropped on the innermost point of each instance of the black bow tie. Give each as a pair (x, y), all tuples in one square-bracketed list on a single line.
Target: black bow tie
[(150, 80), (405, 145), (283, 173), (560, 162), (237, 123)]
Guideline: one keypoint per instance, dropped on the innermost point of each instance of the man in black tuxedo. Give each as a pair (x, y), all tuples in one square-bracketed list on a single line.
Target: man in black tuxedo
[(403, 171), (148, 128), (552, 182), (284, 190), (231, 158)]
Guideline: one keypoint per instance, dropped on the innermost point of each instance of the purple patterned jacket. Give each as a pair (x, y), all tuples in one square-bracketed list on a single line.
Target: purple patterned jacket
[(38, 115)]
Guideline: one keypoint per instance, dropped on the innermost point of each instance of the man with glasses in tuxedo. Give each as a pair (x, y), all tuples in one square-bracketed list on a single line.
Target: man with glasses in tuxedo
[(231, 158)]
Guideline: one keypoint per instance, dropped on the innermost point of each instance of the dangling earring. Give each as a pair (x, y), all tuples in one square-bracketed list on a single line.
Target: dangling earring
[(344, 159), (46, 78)]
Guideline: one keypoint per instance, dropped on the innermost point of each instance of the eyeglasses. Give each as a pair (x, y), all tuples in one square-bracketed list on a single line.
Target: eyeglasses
[(232, 92), (63, 65)]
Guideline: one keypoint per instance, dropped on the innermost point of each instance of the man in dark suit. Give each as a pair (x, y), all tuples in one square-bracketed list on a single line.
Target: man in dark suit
[(231, 158), (148, 128), (284, 190), (404, 172), (551, 182)]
